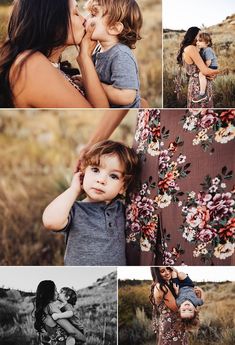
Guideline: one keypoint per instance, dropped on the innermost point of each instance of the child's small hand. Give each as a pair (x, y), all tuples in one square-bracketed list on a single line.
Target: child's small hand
[(54, 316), (87, 45), (77, 79), (76, 183), (176, 288)]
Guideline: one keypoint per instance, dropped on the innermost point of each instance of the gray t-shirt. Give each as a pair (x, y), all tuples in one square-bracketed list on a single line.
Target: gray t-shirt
[(117, 67), (95, 234), (209, 54)]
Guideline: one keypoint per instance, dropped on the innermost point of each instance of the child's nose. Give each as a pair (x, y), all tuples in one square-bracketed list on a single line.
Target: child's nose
[(101, 179)]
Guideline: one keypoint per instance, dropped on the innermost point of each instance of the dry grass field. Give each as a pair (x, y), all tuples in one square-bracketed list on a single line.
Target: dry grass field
[(96, 306), (224, 85), (148, 51), (217, 318), (38, 151)]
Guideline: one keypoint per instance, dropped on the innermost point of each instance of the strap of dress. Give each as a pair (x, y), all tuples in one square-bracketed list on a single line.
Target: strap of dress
[(57, 65)]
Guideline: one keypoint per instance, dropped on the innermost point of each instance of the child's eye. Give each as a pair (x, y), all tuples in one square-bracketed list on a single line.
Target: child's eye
[(94, 169), (114, 177)]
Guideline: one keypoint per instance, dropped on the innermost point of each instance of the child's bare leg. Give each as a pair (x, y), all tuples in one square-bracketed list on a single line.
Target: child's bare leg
[(202, 93), (203, 83), (70, 341)]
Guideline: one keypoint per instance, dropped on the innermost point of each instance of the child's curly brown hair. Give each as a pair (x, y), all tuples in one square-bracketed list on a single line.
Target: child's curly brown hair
[(125, 11), (127, 156)]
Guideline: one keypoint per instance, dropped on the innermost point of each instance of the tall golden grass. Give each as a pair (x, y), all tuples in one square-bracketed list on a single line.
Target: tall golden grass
[(38, 154)]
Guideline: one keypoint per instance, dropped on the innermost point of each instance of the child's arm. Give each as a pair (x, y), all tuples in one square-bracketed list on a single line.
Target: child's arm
[(208, 62), (62, 315), (175, 280), (55, 216), (119, 96)]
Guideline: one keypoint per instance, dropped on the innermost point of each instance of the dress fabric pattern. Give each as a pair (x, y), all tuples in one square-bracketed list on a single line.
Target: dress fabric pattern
[(194, 88), (183, 211), (168, 326)]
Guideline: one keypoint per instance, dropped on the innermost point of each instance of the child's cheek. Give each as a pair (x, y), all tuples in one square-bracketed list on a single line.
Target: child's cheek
[(90, 22)]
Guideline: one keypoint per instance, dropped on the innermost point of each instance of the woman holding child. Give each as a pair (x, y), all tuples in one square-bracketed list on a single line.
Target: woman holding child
[(60, 332), (189, 57), (175, 300), (166, 321), (30, 76)]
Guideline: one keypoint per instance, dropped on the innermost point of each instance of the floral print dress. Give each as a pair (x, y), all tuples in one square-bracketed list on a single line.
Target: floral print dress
[(194, 88), (168, 326), (183, 211)]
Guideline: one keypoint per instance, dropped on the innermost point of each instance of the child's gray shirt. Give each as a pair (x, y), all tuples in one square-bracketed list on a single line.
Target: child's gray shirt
[(209, 54), (117, 66), (95, 234)]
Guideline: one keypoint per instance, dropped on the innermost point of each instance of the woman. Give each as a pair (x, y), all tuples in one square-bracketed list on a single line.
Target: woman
[(169, 328), (182, 211), (38, 33), (45, 306), (189, 57)]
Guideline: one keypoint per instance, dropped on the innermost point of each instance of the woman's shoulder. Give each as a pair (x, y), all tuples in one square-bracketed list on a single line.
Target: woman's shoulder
[(31, 59), (190, 48)]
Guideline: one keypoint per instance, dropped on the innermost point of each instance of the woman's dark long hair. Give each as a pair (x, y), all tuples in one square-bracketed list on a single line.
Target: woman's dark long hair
[(189, 38), (157, 278), (44, 295), (41, 26)]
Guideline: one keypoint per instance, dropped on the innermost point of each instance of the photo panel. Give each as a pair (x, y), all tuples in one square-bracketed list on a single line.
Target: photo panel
[(58, 305), (178, 210), (198, 50), (123, 47), (152, 311)]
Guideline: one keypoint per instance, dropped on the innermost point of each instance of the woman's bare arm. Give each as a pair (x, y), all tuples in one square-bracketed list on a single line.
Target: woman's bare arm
[(192, 52), (108, 123), (70, 329), (65, 324), (39, 84)]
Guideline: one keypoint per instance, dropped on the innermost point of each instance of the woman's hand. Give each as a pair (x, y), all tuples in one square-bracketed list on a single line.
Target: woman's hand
[(199, 292), (54, 316), (87, 45)]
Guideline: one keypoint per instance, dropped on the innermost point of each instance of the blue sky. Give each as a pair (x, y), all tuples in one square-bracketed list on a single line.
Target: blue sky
[(181, 14)]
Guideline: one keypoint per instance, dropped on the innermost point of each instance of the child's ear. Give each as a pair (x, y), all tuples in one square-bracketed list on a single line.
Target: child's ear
[(115, 29)]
